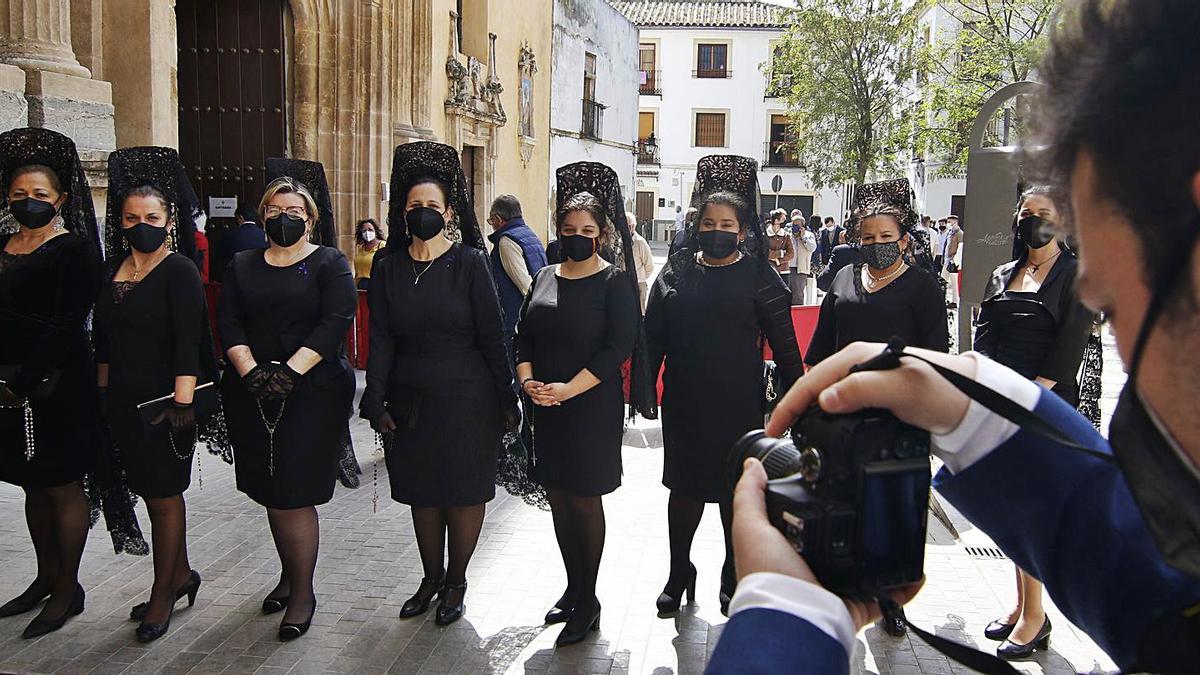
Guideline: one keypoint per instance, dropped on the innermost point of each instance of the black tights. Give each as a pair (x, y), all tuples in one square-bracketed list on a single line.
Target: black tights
[(58, 525), (168, 520), (683, 517), (297, 534), (463, 523), (579, 527)]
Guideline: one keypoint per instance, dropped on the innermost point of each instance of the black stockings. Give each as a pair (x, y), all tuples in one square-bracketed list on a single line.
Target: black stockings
[(683, 517), (463, 524), (171, 568), (579, 527), (58, 524), (297, 534)]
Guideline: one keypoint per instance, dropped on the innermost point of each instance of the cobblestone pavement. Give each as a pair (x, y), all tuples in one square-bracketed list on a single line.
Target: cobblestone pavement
[(369, 565)]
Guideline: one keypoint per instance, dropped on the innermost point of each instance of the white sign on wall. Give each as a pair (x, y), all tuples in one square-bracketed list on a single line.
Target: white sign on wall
[(222, 207)]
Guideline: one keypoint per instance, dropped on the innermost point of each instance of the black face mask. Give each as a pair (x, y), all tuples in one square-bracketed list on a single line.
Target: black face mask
[(424, 223), (880, 256), (33, 213), (718, 244), (1034, 232), (285, 230), (577, 247), (1156, 468), (145, 237)]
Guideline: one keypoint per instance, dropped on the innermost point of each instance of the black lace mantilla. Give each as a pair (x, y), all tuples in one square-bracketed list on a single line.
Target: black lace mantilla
[(23, 147), (736, 174), (312, 176), (893, 195), (1090, 386), (160, 168), (433, 160)]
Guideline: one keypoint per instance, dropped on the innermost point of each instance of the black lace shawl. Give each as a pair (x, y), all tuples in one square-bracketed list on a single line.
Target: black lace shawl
[(736, 174), (427, 159), (312, 176), (601, 182)]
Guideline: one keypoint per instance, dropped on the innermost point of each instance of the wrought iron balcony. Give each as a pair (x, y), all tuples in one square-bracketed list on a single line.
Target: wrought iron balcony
[(712, 73), (647, 153), (650, 83), (782, 154), (593, 120)]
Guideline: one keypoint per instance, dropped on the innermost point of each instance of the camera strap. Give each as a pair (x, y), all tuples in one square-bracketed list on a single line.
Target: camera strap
[(976, 660)]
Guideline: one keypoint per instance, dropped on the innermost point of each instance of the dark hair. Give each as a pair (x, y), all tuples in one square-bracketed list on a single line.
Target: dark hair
[(506, 207), (1121, 83), (733, 200), (426, 180), (589, 204), (777, 213), (829, 219), (358, 229), (46, 171), (814, 223), (149, 191), (246, 211)]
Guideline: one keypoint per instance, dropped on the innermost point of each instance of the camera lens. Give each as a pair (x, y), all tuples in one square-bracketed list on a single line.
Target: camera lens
[(779, 456)]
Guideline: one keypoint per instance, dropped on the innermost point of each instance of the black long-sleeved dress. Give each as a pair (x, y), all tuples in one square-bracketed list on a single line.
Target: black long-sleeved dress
[(912, 307), (568, 325), (148, 332), (709, 324), (1036, 334), (438, 352), (275, 311), (45, 298)]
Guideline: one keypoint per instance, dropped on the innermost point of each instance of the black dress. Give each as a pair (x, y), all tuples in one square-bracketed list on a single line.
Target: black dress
[(275, 311), (912, 307), (148, 332), (1036, 334), (709, 324), (568, 325), (438, 351), (45, 298)]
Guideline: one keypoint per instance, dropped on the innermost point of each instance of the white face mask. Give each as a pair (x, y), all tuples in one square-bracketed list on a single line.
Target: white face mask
[(368, 236)]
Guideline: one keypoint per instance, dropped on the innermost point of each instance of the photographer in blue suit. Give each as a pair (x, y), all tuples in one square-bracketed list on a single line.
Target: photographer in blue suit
[(1117, 543)]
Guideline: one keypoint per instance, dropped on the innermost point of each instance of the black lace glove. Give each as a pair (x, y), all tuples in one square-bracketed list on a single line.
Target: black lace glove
[(256, 380), (9, 399), (384, 423), (180, 415), (281, 383), (512, 419)]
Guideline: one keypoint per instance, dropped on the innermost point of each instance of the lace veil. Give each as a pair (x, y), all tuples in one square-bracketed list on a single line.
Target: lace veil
[(160, 168), (26, 146), (427, 159)]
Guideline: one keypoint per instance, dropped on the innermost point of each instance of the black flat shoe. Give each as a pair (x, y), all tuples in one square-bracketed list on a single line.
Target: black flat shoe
[(570, 637), (1011, 650), (189, 590), (893, 626), (291, 631), (672, 597), (418, 604), (998, 630), (446, 613), (149, 632), (40, 627), (275, 605), (18, 606)]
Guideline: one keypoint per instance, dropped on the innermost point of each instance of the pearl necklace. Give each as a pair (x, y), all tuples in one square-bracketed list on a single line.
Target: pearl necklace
[(704, 263), (873, 281)]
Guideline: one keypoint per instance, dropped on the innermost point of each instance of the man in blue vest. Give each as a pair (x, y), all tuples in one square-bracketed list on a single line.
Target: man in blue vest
[(517, 255)]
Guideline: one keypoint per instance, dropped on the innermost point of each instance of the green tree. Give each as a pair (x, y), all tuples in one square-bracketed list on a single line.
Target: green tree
[(844, 67), (1000, 42)]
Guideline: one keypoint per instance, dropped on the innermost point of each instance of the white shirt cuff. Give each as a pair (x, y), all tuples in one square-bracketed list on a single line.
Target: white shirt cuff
[(801, 599), (982, 431)]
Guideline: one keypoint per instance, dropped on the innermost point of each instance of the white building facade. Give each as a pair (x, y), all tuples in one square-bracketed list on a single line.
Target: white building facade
[(594, 99), (703, 88)]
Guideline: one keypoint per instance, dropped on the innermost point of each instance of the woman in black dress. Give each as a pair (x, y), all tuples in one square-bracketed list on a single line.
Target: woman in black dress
[(149, 322), (50, 428), (1032, 321), (438, 348), (708, 314), (579, 323), (882, 296), (284, 314)]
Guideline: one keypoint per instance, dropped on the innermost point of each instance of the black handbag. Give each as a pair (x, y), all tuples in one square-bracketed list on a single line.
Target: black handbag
[(44, 389), (204, 404)]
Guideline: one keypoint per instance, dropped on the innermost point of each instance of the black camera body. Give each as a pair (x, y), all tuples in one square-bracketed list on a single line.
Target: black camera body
[(851, 494)]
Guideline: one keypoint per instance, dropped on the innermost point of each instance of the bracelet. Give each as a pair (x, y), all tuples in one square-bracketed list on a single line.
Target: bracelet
[(528, 379)]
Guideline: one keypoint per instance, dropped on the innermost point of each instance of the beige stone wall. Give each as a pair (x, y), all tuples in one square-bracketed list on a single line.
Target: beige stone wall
[(140, 60)]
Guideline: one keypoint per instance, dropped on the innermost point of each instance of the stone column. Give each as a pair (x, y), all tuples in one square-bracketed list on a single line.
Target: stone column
[(35, 35), (402, 82), (422, 66)]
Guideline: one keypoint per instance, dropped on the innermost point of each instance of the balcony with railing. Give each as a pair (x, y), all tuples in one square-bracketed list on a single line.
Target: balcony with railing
[(779, 86), (712, 73), (650, 83), (781, 154), (593, 120), (647, 152)]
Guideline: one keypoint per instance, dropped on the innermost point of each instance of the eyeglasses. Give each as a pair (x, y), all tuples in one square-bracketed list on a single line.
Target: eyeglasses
[(293, 211)]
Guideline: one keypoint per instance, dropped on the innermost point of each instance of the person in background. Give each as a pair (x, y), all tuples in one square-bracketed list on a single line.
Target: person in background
[(681, 235), (781, 249), (247, 236), (553, 252), (643, 259), (804, 243), (517, 255), (203, 259), (680, 219), (953, 258), (843, 254), (939, 258), (368, 242)]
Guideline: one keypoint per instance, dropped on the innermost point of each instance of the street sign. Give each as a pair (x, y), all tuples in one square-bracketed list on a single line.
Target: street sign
[(777, 184)]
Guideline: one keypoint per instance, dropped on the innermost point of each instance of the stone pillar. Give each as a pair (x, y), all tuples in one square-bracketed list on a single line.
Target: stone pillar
[(402, 83), (422, 66), (14, 111), (36, 35)]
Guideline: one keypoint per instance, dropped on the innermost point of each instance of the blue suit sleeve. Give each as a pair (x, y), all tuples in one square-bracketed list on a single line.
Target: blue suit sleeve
[(1070, 520), (768, 641)]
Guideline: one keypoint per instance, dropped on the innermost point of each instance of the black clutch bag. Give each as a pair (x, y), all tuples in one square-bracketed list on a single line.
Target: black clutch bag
[(44, 389), (204, 404)]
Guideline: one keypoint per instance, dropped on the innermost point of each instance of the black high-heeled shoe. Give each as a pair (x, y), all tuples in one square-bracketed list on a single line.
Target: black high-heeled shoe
[(570, 637), (998, 630), (149, 632), (418, 604), (291, 631), (671, 598), (446, 613), (39, 627), (1011, 650), (563, 609), (18, 606), (188, 590), (275, 605)]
